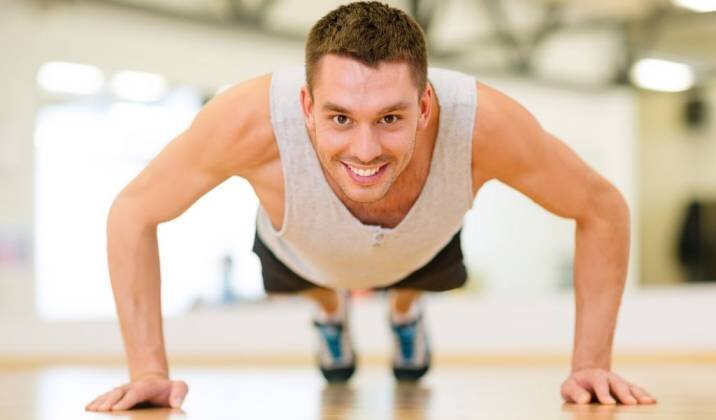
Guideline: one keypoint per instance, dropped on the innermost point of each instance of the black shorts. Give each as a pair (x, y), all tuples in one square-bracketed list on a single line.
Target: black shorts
[(445, 271)]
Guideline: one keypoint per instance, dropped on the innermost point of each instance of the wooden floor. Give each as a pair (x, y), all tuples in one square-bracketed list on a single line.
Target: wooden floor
[(450, 392)]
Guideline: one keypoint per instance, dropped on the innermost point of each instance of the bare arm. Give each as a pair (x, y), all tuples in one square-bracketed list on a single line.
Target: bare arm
[(216, 146), (228, 137), (162, 191), (511, 146)]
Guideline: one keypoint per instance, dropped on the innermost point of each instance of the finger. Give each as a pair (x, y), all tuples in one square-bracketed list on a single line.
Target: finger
[(601, 388), (178, 393), (94, 405), (641, 394), (97, 401), (573, 392), (114, 396), (129, 400), (91, 403), (621, 390)]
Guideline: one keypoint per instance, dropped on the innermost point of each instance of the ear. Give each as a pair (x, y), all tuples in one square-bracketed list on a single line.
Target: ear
[(425, 104), (307, 107)]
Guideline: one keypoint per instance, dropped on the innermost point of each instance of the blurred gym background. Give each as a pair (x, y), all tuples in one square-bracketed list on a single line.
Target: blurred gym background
[(93, 89)]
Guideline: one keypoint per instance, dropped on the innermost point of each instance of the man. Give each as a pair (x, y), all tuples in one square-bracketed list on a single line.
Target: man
[(364, 174)]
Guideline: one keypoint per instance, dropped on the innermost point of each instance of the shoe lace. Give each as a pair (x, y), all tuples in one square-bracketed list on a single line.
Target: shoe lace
[(406, 339), (332, 335)]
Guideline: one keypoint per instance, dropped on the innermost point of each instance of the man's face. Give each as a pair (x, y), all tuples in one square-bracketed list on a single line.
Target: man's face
[(364, 123)]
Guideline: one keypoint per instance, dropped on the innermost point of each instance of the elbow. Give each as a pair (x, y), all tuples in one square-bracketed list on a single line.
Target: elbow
[(119, 210), (125, 213), (607, 206)]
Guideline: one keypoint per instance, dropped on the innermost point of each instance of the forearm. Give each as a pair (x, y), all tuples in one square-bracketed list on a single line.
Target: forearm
[(600, 267), (133, 257)]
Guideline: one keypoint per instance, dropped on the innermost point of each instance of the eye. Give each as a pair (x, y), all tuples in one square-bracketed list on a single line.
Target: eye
[(390, 119), (340, 119)]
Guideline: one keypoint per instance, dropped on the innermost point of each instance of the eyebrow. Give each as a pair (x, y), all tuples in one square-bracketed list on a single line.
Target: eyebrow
[(330, 106)]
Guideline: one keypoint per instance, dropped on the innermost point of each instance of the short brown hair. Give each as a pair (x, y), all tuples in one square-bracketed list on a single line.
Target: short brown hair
[(370, 32)]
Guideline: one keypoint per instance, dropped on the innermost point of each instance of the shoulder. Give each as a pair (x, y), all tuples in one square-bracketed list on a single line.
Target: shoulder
[(501, 133), (235, 126)]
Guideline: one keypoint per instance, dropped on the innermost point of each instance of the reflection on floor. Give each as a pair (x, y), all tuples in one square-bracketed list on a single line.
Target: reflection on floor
[(449, 392)]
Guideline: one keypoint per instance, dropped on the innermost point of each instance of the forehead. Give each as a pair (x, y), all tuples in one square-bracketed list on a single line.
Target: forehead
[(353, 84)]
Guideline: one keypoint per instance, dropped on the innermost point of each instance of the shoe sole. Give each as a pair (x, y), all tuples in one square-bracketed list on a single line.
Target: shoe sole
[(339, 375), (410, 374)]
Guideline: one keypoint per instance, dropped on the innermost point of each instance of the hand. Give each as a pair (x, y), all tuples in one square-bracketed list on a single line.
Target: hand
[(153, 388), (582, 385)]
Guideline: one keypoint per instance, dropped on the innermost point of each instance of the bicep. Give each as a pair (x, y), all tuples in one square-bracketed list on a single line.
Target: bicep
[(512, 147), (171, 182), (225, 139)]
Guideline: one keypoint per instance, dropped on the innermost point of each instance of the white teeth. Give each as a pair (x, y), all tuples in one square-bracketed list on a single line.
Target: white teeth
[(364, 172)]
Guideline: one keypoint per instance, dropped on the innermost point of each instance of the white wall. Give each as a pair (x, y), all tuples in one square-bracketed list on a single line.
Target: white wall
[(113, 40), (652, 322), (517, 246)]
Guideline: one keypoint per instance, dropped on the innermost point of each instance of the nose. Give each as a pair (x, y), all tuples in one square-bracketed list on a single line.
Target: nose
[(366, 145)]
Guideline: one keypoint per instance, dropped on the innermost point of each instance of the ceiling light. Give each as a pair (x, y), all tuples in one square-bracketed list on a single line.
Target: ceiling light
[(702, 6), (72, 78), (138, 86), (662, 75)]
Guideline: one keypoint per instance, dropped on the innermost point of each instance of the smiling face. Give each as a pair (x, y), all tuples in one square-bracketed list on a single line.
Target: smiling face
[(364, 122)]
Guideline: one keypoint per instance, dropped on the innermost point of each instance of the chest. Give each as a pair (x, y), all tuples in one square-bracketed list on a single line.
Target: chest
[(397, 203)]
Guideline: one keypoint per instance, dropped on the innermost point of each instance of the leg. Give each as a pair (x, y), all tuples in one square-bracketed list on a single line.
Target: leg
[(402, 299), (326, 299), (411, 359), (336, 356)]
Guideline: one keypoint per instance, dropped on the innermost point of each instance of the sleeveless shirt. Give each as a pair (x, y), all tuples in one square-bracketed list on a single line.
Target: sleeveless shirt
[(322, 241)]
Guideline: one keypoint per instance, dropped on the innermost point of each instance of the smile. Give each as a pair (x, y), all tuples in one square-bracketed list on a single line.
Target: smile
[(365, 176)]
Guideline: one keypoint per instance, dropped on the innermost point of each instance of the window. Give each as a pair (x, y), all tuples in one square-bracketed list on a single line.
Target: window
[(87, 149)]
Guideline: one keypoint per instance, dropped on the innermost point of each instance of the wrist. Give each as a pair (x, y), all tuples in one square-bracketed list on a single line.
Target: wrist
[(149, 373), (591, 356), (590, 364)]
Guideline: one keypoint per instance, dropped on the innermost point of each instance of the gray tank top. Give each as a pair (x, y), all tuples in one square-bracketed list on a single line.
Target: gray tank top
[(322, 241)]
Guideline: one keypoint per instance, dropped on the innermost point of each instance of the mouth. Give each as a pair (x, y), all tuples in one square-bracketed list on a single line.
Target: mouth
[(368, 176)]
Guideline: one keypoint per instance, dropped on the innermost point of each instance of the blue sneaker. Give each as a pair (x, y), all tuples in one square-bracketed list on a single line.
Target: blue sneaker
[(411, 359), (336, 357)]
